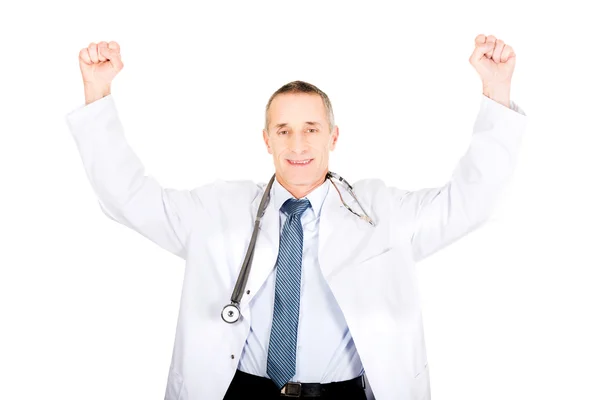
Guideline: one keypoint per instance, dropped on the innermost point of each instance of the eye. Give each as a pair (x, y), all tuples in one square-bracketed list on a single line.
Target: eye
[(282, 132), (311, 129)]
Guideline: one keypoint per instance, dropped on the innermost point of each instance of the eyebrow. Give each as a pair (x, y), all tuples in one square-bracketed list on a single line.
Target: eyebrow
[(312, 123)]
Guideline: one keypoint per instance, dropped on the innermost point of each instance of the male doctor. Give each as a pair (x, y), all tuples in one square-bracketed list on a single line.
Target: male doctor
[(331, 295)]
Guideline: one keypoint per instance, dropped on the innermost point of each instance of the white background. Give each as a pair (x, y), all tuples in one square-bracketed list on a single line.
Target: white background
[(88, 308)]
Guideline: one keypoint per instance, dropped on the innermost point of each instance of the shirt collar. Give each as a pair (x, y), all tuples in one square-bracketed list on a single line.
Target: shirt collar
[(316, 197)]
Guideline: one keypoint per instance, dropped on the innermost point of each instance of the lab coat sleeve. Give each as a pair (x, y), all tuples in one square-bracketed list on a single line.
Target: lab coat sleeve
[(125, 193), (444, 214)]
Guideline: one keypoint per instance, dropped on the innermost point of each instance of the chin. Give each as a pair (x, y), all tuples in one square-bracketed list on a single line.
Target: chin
[(304, 178), (298, 180)]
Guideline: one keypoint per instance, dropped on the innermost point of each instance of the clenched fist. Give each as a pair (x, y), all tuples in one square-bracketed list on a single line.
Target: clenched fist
[(494, 61), (99, 64)]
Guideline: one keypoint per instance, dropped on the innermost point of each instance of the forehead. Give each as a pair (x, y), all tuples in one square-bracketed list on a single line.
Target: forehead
[(297, 107)]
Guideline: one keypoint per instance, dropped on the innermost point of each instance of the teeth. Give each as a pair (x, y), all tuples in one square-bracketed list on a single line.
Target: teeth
[(300, 162)]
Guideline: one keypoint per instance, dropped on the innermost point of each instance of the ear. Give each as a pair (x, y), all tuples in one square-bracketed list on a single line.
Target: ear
[(266, 139), (334, 138)]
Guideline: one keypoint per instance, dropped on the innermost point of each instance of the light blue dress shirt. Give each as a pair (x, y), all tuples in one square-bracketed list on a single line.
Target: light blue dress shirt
[(326, 351)]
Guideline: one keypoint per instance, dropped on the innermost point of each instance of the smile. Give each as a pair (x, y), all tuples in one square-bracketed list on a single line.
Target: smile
[(299, 162)]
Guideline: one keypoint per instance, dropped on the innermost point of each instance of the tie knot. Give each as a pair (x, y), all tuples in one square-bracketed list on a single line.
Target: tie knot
[(295, 206)]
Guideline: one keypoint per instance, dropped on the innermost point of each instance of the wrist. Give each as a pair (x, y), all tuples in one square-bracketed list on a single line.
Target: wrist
[(95, 92), (500, 94)]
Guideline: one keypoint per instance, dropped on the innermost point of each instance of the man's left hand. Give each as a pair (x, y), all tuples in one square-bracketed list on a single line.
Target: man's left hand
[(494, 61)]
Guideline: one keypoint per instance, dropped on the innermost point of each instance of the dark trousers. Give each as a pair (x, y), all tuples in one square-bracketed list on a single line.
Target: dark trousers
[(246, 386)]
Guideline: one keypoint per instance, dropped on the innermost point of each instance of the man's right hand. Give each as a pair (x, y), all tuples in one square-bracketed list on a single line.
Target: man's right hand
[(99, 63)]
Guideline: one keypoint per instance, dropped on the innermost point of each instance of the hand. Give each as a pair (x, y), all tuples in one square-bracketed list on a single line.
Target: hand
[(494, 61), (99, 64)]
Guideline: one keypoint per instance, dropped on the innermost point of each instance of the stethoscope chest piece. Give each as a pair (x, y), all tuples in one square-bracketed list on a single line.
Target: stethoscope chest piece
[(230, 313)]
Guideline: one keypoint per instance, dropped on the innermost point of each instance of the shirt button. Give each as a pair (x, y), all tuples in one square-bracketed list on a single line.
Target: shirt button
[(232, 356), (247, 292)]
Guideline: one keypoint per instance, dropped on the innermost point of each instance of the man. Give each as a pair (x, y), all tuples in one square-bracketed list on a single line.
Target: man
[(331, 295)]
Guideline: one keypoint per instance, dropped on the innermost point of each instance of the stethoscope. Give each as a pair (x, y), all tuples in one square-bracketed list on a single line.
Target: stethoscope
[(231, 312)]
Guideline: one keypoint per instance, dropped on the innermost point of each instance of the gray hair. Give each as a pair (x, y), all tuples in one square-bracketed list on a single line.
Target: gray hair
[(302, 87)]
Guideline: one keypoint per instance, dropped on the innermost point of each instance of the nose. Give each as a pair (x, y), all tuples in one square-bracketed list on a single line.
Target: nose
[(298, 143)]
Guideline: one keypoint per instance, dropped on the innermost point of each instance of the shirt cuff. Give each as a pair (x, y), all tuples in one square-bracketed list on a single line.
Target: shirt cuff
[(88, 112), (487, 102)]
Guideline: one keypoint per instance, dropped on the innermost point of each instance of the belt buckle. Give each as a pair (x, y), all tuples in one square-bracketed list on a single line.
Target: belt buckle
[(292, 389)]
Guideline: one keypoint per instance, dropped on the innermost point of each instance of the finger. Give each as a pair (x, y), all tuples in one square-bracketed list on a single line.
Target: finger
[(480, 52), (104, 53), (498, 51), (114, 46), (480, 39), (101, 47), (84, 56), (93, 50), (490, 39), (114, 57), (116, 60), (507, 53)]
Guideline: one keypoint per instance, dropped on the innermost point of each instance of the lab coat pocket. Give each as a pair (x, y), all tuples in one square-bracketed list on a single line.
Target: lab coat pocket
[(382, 290), (375, 256), (371, 283), (175, 387)]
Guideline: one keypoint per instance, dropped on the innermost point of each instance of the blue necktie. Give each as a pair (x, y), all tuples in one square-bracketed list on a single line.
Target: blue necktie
[(281, 360)]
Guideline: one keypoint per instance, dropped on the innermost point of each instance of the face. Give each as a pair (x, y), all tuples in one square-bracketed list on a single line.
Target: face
[(299, 139)]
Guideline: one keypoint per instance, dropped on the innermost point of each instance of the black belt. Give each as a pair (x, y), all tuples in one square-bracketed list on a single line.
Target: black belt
[(296, 389), (300, 390)]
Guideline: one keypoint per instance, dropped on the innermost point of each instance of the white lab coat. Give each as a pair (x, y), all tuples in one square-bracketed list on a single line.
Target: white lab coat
[(371, 271)]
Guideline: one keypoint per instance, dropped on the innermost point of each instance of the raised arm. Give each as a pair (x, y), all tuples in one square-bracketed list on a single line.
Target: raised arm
[(442, 215), (125, 193)]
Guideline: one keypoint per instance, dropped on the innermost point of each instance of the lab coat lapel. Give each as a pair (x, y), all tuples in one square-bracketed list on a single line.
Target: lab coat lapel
[(344, 238), (266, 250)]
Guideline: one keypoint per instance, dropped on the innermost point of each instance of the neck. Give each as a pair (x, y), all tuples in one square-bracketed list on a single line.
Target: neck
[(299, 191)]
